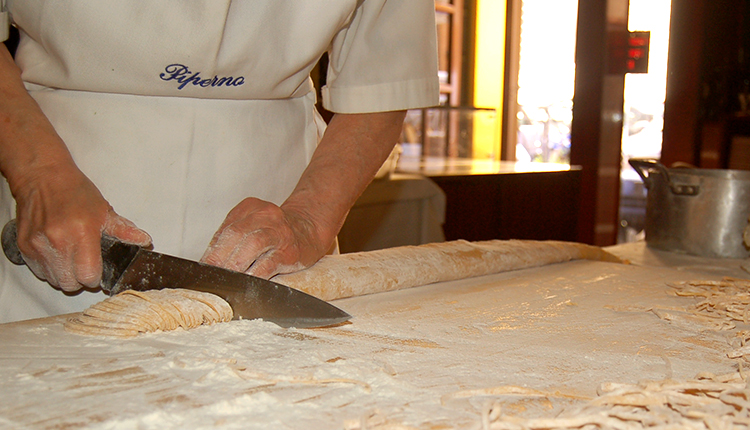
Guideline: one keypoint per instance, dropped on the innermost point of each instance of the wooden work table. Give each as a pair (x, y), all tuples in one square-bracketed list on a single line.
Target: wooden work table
[(430, 357)]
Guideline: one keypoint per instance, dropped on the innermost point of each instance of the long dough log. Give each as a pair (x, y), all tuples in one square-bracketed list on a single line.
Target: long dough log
[(355, 274)]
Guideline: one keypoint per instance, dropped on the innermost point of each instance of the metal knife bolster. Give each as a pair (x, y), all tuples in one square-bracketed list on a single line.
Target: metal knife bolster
[(116, 257)]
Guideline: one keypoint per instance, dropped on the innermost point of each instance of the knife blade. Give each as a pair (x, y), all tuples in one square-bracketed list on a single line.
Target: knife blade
[(127, 266)]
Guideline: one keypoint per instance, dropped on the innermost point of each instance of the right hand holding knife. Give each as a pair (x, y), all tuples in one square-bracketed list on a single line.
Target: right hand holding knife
[(73, 263)]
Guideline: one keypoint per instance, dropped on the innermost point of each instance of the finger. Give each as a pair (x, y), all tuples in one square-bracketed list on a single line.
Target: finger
[(40, 271), (221, 250), (70, 266), (240, 250), (255, 245), (42, 257), (73, 255), (52, 265), (87, 265), (66, 279), (125, 230), (264, 267), (274, 263)]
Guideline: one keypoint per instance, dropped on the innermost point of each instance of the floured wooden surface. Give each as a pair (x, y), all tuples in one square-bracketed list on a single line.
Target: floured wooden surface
[(640, 254), (430, 357)]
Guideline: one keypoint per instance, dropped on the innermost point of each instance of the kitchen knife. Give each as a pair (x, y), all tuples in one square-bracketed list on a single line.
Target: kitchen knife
[(128, 266)]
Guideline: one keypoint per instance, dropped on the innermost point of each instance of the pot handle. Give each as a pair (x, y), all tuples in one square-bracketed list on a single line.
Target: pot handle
[(642, 166)]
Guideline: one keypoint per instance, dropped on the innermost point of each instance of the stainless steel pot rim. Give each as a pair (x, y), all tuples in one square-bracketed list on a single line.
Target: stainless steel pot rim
[(654, 167)]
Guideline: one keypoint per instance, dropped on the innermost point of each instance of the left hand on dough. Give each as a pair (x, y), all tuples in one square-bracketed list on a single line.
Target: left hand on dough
[(262, 239)]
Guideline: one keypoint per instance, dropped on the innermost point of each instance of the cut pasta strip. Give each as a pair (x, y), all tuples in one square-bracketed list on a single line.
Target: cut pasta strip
[(723, 302)]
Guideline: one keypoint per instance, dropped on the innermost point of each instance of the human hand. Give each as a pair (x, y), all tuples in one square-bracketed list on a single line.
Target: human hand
[(61, 216), (262, 239)]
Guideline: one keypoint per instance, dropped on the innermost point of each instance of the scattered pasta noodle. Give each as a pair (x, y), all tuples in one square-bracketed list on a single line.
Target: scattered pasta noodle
[(132, 312), (706, 402), (722, 303), (740, 352)]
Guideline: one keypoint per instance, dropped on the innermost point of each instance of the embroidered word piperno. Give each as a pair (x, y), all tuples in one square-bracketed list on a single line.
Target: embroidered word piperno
[(184, 76)]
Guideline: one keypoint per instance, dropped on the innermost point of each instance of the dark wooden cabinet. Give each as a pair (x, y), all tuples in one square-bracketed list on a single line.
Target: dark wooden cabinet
[(505, 200), (470, 201), (536, 205)]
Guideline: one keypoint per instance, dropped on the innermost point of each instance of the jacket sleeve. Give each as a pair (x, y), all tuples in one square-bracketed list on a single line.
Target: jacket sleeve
[(385, 59), (4, 22)]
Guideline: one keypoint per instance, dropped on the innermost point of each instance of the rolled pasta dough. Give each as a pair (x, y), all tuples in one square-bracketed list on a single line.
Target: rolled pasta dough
[(347, 275)]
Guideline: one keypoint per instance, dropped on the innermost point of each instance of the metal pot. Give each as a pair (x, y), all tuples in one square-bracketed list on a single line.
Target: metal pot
[(696, 211)]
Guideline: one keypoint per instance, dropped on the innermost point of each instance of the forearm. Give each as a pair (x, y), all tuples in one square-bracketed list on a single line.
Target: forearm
[(352, 150), (28, 142), (61, 214)]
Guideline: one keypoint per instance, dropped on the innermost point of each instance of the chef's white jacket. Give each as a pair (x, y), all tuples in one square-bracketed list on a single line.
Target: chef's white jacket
[(179, 109)]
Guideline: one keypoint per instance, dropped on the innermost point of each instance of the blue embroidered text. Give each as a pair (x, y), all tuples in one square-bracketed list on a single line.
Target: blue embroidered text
[(183, 75)]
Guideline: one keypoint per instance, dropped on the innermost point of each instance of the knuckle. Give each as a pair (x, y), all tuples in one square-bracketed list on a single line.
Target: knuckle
[(37, 246), (89, 279), (61, 235), (211, 259), (231, 231), (70, 286), (263, 268)]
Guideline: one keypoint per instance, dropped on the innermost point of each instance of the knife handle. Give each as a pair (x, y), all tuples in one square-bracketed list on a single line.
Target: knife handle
[(116, 255), (9, 243)]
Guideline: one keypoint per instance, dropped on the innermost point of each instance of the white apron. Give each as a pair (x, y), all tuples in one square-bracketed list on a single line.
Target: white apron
[(179, 109)]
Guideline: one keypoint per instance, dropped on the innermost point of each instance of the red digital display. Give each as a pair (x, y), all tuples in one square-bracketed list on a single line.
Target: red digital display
[(637, 58), (638, 41)]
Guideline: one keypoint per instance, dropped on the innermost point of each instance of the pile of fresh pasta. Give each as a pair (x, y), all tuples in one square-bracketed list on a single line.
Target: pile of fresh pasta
[(132, 312)]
